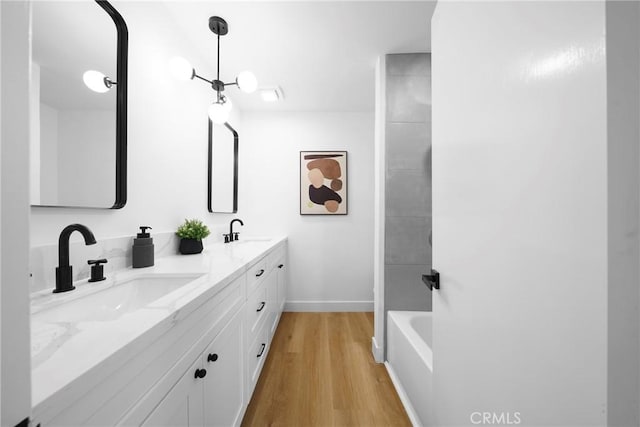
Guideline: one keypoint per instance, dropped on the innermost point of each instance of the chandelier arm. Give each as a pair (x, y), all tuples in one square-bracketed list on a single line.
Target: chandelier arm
[(202, 78), (231, 84)]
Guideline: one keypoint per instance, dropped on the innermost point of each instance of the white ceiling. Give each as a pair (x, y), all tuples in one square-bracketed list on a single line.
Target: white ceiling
[(321, 53)]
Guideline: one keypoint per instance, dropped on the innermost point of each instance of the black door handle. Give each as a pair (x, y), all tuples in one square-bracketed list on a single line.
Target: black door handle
[(281, 265), (432, 280), (262, 304), (262, 350), (258, 274)]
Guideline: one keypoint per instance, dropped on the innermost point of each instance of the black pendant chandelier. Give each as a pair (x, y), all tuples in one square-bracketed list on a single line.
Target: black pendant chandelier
[(245, 81)]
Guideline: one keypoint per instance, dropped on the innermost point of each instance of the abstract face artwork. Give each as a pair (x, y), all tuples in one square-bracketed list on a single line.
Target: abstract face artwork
[(323, 183)]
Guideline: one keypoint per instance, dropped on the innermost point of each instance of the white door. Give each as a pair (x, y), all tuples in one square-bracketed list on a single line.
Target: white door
[(182, 406), (519, 213), (224, 385)]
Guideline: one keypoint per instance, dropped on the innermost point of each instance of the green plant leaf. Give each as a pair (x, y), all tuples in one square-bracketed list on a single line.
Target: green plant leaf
[(193, 229)]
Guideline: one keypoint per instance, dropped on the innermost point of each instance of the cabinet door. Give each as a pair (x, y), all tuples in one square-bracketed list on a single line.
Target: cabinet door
[(182, 406), (282, 285), (224, 385)]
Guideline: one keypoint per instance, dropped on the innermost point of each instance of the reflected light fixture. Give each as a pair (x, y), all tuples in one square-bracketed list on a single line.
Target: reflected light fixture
[(97, 82), (245, 81), (271, 94)]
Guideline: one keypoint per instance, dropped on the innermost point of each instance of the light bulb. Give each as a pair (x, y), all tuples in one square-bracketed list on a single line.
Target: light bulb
[(95, 81), (228, 105), (181, 68), (247, 82), (218, 113)]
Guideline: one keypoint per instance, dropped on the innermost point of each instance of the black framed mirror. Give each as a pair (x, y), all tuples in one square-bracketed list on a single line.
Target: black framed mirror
[(78, 105), (223, 169)]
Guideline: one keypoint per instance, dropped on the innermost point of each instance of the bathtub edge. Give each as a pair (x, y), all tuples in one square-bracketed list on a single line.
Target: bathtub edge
[(404, 398)]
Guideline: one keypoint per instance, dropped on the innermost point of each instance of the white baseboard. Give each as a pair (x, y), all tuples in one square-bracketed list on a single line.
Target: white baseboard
[(328, 306), (411, 413), (378, 353)]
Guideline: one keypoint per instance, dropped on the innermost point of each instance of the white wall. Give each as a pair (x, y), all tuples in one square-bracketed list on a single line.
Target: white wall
[(520, 212), (34, 134), (167, 140), (45, 190), (86, 151), (623, 133), (15, 388), (330, 257), (378, 341)]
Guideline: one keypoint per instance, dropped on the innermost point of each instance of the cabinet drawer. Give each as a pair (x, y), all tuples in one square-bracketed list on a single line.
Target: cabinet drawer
[(256, 311), (256, 356), (255, 275), (276, 257)]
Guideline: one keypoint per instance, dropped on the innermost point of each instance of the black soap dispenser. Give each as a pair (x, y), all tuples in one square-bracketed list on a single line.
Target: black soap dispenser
[(143, 249)]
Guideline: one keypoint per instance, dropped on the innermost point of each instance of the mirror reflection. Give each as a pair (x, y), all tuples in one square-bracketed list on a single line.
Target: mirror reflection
[(74, 113), (223, 169)]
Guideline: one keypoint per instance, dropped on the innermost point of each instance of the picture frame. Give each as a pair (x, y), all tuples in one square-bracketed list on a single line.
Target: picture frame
[(323, 183)]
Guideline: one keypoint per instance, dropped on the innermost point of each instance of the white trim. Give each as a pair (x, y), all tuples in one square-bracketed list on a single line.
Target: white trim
[(411, 413), (379, 205), (328, 306), (378, 353)]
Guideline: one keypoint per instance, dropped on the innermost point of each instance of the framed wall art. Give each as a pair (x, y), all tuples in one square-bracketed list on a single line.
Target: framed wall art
[(323, 183)]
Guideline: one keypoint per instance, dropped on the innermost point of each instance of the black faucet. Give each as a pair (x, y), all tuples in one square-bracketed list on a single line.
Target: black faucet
[(231, 234), (64, 272)]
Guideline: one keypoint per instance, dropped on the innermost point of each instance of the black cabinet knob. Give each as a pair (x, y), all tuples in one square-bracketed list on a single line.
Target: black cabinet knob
[(200, 373), (281, 265), (212, 357)]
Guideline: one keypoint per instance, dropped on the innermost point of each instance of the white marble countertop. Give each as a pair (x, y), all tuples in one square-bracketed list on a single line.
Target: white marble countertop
[(64, 352)]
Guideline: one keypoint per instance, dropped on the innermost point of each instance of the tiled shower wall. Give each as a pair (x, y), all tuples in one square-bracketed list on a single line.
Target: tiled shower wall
[(408, 181)]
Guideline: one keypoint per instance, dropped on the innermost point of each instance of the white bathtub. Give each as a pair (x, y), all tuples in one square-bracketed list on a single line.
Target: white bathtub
[(410, 362)]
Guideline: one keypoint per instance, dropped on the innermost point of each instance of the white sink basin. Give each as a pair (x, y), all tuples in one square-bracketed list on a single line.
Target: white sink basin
[(115, 300)]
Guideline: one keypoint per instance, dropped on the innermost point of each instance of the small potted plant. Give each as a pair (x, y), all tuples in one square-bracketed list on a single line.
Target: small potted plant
[(191, 234)]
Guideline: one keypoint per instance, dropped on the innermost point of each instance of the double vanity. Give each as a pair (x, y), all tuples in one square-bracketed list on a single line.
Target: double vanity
[(179, 343)]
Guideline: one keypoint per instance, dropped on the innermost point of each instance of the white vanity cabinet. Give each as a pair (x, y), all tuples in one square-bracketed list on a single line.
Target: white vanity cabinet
[(224, 393), (183, 405), (211, 392), (198, 365), (263, 311), (280, 262)]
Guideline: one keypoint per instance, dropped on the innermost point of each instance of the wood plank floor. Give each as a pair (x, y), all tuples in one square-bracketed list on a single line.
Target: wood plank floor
[(320, 372)]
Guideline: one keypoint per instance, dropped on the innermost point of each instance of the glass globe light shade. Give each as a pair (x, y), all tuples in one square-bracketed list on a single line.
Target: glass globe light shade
[(181, 68), (228, 105), (247, 82), (95, 81), (218, 113)]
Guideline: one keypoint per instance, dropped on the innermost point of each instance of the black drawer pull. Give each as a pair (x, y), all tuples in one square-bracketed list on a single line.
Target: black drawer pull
[(262, 349), (200, 373), (262, 304), (260, 273), (281, 265), (212, 357)]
